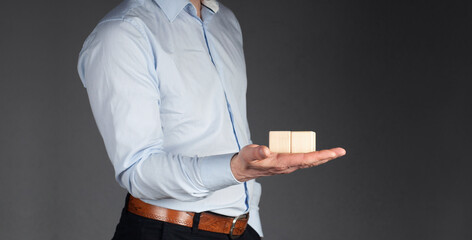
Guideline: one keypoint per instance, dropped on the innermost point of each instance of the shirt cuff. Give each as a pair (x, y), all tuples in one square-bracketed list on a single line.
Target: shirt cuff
[(216, 171)]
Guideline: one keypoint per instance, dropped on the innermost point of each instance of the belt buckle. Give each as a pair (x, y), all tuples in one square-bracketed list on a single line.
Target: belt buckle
[(234, 224)]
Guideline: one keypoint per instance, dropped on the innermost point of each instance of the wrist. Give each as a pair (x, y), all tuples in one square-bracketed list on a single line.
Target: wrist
[(237, 168)]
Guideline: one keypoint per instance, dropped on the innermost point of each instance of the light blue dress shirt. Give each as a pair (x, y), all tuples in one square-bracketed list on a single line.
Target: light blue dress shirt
[(168, 93)]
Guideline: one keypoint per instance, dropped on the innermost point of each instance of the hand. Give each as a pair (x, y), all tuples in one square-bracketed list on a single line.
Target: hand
[(255, 161)]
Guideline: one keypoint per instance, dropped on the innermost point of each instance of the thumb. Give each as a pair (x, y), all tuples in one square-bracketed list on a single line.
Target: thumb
[(260, 152)]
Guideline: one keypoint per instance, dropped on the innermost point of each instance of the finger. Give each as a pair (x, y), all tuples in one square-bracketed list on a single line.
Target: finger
[(263, 152), (257, 152), (327, 153), (308, 159), (319, 155), (339, 151), (317, 163), (321, 162)]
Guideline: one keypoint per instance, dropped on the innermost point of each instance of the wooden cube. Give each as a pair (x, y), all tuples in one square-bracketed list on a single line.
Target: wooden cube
[(303, 141), (280, 141), (292, 141)]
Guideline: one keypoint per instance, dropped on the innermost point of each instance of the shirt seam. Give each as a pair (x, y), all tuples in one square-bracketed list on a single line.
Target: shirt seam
[(140, 29)]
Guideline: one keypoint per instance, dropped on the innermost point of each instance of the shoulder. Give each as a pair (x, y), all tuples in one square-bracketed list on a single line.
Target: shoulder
[(119, 35), (227, 20), (128, 9), (128, 20), (227, 17), (225, 12), (139, 13)]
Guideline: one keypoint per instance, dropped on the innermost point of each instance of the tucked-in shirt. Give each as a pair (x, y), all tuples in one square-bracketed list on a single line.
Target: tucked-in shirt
[(167, 90)]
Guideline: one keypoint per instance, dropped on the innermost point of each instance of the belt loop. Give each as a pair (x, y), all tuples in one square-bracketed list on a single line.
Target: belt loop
[(125, 208), (127, 199), (196, 221)]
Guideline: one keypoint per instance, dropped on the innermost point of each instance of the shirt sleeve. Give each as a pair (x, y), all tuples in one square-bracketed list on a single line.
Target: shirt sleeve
[(116, 66)]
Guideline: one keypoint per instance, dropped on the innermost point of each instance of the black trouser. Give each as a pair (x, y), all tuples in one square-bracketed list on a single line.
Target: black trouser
[(135, 227)]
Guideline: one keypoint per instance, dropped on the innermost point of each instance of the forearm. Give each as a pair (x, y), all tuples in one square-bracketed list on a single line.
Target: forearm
[(166, 175)]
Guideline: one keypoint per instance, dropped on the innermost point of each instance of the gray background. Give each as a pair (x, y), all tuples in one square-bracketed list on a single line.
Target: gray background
[(387, 80)]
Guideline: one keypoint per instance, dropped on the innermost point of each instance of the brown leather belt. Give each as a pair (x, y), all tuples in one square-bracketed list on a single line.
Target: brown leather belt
[(212, 222)]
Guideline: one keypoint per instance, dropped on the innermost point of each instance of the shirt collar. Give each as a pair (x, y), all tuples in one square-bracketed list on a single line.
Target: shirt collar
[(173, 7)]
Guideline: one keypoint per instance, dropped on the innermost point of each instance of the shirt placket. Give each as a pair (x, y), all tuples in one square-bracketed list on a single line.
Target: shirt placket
[(207, 17)]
